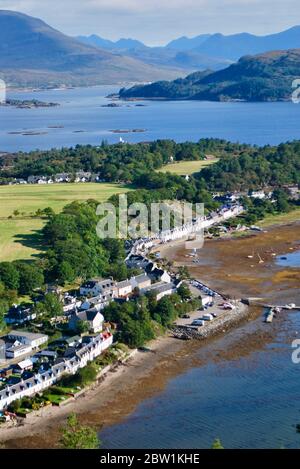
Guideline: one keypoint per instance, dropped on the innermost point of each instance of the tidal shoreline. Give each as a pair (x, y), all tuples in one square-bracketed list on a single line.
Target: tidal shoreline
[(146, 374)]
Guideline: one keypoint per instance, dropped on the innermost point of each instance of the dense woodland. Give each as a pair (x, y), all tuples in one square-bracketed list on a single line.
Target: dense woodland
[(260, 168), (121, 162), (240, 166)]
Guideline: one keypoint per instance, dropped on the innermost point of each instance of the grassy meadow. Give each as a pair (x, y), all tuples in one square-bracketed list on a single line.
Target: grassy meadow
[(183, 168), (19, 235), (280, 219)]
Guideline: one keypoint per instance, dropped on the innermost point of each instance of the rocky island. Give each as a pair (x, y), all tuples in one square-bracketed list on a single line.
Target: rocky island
[(27, 103)]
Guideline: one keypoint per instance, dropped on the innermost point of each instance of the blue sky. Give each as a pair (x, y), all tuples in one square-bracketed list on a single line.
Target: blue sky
[(158, 21)]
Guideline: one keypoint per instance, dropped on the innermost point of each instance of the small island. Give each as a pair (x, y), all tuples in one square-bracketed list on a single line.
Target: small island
[(127, 131), (111, 105), (27, 103)]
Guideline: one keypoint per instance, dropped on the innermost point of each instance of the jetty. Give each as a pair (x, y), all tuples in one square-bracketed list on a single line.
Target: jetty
[(260, 302)]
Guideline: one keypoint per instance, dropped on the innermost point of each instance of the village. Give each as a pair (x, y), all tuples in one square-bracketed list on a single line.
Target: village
[(31, 362)]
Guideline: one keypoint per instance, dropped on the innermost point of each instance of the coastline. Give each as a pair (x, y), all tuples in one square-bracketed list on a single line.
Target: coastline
[(48, 420), (146, 373), (143, 376)]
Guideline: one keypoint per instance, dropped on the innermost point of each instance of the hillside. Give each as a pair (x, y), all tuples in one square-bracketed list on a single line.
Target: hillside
[(264, 77), (32, 53)]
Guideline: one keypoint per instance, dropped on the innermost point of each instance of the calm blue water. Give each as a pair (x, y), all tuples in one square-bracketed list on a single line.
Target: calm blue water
[(292, 259), (253, 402), (81, 110)]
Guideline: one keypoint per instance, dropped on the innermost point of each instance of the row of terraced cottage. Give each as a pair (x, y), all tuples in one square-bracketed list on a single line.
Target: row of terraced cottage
[(88, 351), (94, 295)]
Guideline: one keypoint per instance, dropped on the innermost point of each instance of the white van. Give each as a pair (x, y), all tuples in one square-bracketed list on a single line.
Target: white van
[(207, 317)]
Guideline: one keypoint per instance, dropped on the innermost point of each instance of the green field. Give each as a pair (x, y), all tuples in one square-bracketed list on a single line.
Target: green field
[(280, 219), (19, 236), (184, 168)]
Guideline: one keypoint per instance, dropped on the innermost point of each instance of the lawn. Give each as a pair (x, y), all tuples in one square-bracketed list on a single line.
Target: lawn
[(187, 167), (19, 236), (280, 219)]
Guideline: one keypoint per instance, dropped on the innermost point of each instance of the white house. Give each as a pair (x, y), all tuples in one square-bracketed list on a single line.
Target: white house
[(157, 274), (28, 338), (97, 302), (140, 281), (44, 380), (24, 365), (258, 194), (17, 350), (96, 287), (124, 288), (94, 319), (70, 303), (161, 289), (17, 315), (62, 177)]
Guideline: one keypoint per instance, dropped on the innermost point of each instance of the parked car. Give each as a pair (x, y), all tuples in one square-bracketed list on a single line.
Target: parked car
[(186, 316), (197, 322)]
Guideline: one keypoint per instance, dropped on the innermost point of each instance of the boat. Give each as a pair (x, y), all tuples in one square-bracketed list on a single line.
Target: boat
[(270, 315), (290, 306)]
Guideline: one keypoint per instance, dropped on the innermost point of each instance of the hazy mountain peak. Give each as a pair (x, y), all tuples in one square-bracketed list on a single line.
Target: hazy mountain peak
[(33, 53)]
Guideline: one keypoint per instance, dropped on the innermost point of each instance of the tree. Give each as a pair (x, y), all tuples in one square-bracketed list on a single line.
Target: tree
[(31, 277), (9, 275), (82, 326), (183, 272), (52, 305), (282, 203), (184, 292), (14, 406), (217, 444), (7, 298), (65, 273), (165, 312), (76, 436), (85, 375)]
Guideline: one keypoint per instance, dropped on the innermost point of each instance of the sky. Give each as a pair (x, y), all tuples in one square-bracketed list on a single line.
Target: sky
[(156, 22)]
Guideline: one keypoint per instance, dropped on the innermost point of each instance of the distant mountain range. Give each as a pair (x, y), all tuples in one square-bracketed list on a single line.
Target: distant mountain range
[(206, 50), (34, 54), (234, 46), (169, 57), (122, 43), (263, 77)]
